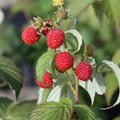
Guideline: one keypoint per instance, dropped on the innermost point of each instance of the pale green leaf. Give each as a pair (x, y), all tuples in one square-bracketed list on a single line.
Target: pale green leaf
[(116, 70), (78, 37), (55, 94), (42, 95), (99, 83), (43, 64), (89, 87)]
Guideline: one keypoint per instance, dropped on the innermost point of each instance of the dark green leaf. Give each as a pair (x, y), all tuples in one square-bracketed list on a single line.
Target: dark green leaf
[(11, 75)]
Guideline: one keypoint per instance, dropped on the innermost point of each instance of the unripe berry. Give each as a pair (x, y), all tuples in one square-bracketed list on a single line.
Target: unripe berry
[(47, 81), (89, 50), (83, 71), (64, 61), (55, 38), (61, 14), (30, 36)]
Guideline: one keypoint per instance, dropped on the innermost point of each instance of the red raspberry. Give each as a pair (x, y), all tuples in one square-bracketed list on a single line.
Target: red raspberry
[(40, 84), (47, 81), (45, 30), (55, 38), (83, 71), (30, 36), (47, 27), (64, 61)]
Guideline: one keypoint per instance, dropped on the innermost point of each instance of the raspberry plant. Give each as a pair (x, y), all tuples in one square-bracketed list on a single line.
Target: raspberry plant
[(67, 65)]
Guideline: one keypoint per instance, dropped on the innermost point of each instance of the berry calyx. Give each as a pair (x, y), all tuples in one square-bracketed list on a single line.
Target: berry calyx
[(83, 71), (64, 61), (55, 38), (30, 36), (47, 81)]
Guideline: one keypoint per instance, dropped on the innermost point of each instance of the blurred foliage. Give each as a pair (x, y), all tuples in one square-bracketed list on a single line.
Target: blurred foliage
[(9, 111), (97, 21)]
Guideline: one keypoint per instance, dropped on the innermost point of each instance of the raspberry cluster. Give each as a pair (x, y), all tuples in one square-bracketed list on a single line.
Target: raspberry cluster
[(55, 38)]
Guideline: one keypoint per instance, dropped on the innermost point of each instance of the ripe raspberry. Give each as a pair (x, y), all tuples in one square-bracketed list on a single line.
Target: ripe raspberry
[(45, 30), (40, 84), (55, 38), (83, 71), (47, 27), (64, 61), (30, 36), (47, 81)]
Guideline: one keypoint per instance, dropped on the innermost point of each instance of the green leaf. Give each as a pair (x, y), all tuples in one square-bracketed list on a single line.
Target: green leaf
[(53, 111), (55, 94), (43, 64), (116, 70), (116, 57), (112, 86), (42, 95), (72, 42), (5, 103), (98, 11), (11, 74), (89, 87), (99, 83), (9, 111), (84, 112), (21, 111), (111, 9), (78, 6)]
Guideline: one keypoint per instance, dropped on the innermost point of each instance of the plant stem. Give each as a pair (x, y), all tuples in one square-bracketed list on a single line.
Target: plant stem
[(70, 85), (76, 90)]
